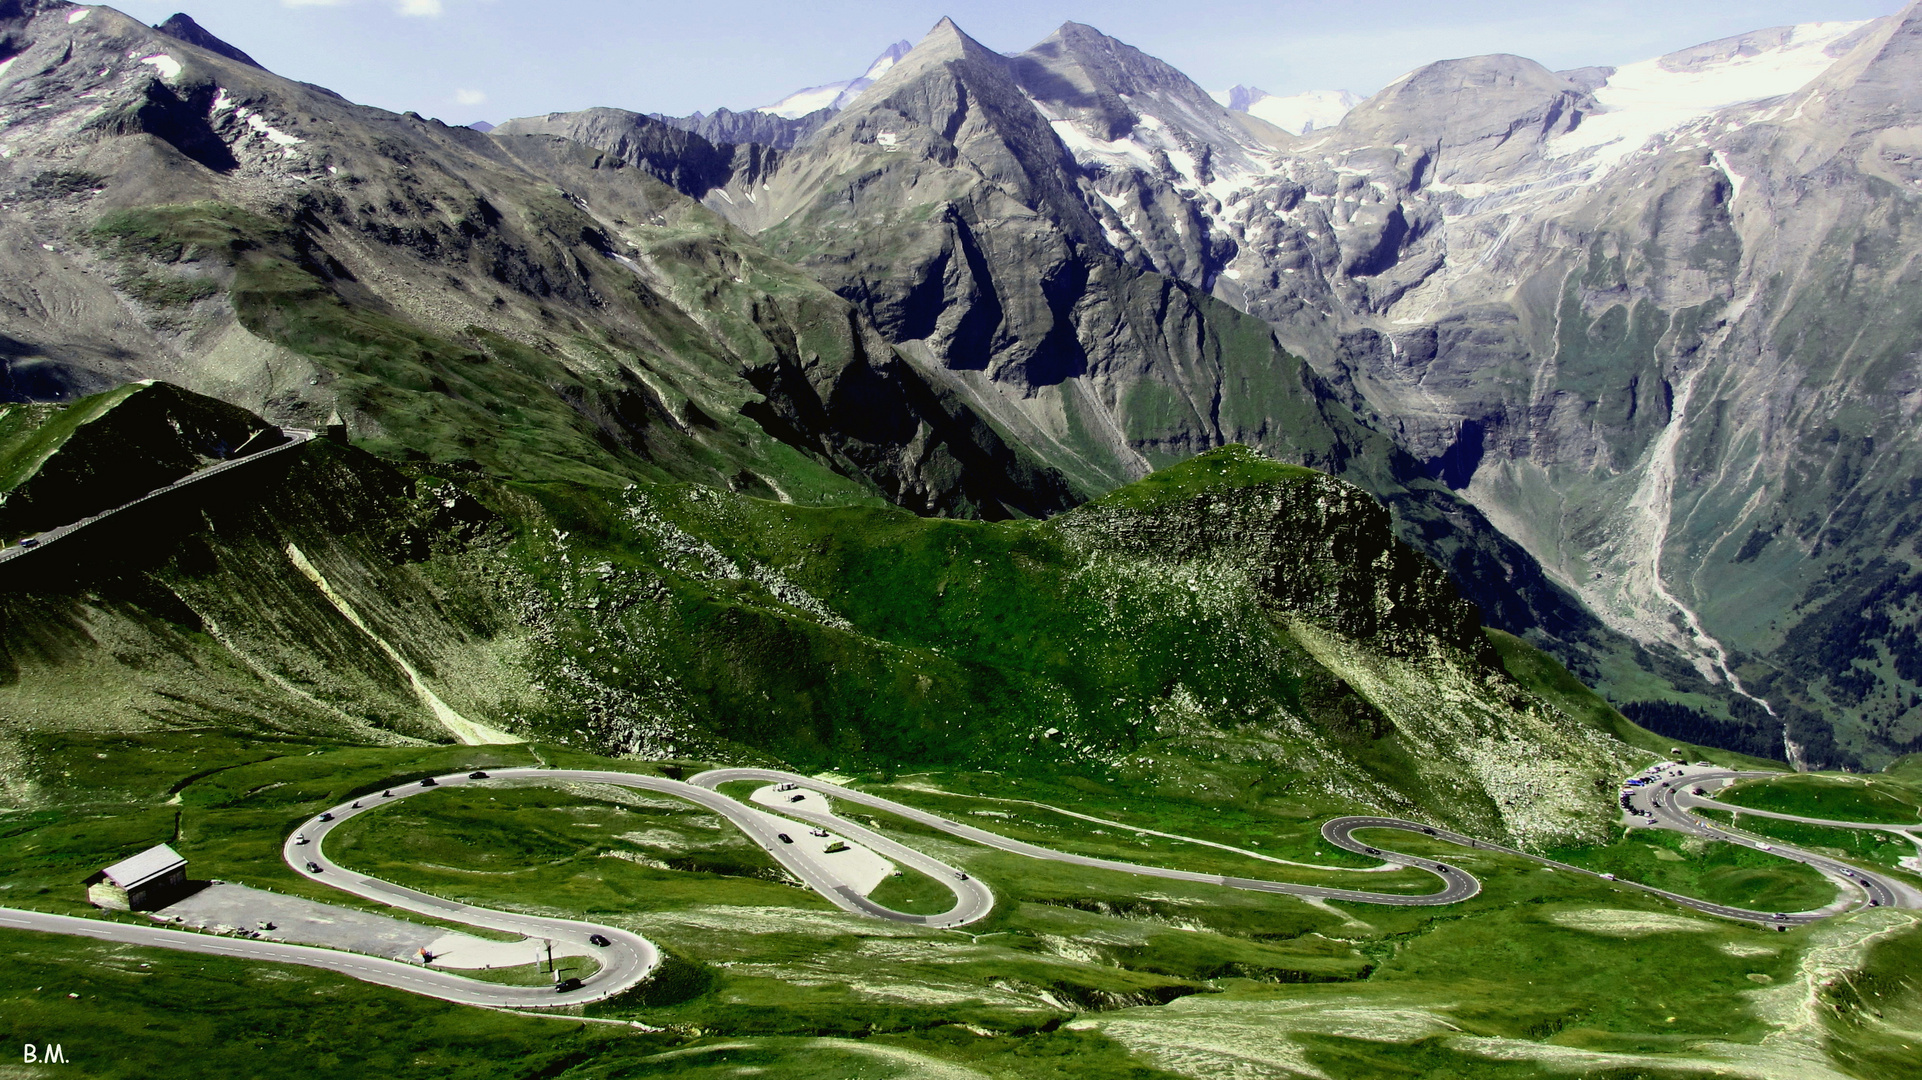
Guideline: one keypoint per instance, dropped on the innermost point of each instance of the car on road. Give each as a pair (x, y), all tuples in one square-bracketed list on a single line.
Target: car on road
[(1372, 851), (300, 838), (388, 794), (1765, 847), (784, 838), (1848, 873), (962, 874), (817, 832), (477, 774), (31, 542), (566, 985), (597, 941), (785, 787), (1608, 877), (313, 867), (430, 782), (325, 816)]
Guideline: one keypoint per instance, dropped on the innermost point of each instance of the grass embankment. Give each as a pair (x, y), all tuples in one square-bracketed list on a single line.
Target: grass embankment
[(911, 891), (1866, 846), (1870, 800), (1710, 870)]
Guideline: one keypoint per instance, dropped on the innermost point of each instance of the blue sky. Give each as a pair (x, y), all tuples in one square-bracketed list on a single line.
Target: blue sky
[(465, 60)]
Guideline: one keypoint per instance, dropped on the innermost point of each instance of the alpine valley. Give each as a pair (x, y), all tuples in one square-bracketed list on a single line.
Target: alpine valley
[(1146, 506)]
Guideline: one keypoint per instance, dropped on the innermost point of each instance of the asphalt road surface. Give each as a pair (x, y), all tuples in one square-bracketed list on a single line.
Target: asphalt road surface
[(1457, 885), (1663, 800), (1667, 799), (295, 437)]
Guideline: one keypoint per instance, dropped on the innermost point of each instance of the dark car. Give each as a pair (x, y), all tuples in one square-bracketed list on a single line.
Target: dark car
[(796, 798), (1372, 851), (313, 868), (477, 775), (597, 941), (388, 794), (430, 782), (325, 816), (785, 838), (565, 985), (31, 543)]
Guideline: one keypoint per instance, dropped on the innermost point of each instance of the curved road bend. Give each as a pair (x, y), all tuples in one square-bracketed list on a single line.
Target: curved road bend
[(1457, 885), (1669, 801)]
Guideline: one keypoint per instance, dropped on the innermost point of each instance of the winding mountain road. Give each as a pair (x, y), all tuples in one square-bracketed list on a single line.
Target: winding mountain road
[(628, 958)]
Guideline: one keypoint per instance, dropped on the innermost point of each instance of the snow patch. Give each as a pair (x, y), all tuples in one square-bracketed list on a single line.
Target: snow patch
[(273, 134), (1299, 114), (1645, 100), (167, 66), (78, 14), (7, 63), (222, 101)]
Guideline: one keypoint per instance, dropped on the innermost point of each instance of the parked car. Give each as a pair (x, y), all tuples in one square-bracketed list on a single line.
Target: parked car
[(597, 941), (567, 984), (796, 798), (838, 845)]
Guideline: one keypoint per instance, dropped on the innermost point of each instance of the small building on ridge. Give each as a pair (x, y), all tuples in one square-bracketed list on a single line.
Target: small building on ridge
[(152, 879)]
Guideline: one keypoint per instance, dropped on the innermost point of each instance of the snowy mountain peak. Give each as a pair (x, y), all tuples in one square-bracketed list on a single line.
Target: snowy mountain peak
[(1297, 114), (837, 95)]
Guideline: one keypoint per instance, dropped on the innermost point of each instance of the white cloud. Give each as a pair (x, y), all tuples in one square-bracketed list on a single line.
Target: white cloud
[(470, 97), (428, 8), (312, 3)]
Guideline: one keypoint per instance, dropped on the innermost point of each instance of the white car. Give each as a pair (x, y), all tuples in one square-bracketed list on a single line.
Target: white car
[(1764, 847), (300, 838)]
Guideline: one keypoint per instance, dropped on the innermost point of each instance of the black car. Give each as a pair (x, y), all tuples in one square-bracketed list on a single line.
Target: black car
[(477, 775), (565, 985), (1372, 851), (430, 782), (785, 838), (313, 868), (597, 941), (388, 794)]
